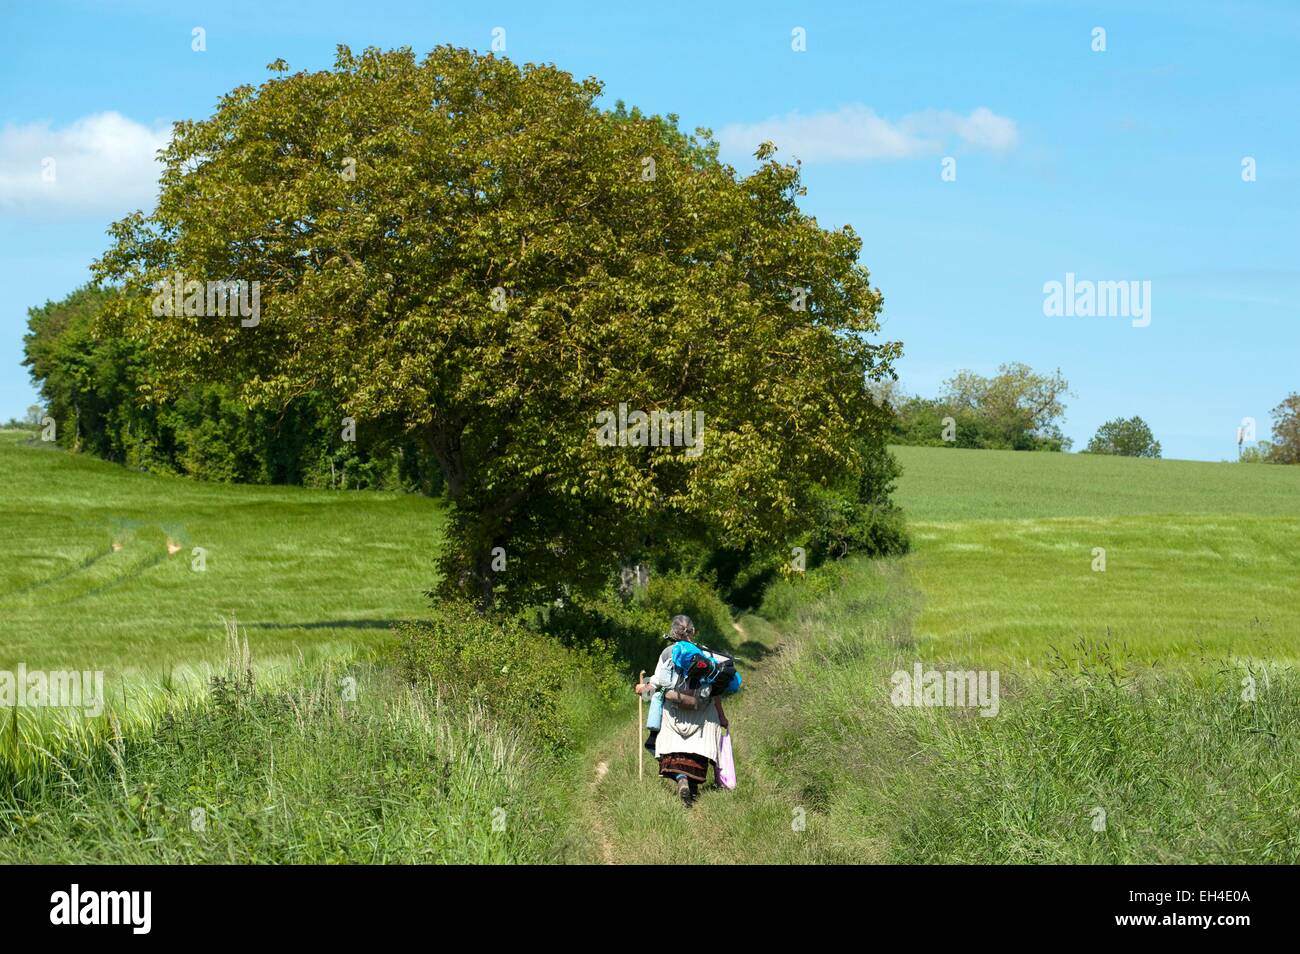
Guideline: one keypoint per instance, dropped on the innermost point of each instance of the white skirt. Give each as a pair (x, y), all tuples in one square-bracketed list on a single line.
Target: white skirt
[(689, 731)]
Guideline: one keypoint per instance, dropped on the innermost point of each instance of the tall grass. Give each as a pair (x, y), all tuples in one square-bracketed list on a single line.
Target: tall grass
[(296, 776), (349, 765), (32, 737), (1099, 760), (1106, 766)]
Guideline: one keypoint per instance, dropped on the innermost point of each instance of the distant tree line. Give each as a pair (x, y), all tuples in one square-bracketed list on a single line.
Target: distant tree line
[(95, 388), (1015, 409), (28, 422)]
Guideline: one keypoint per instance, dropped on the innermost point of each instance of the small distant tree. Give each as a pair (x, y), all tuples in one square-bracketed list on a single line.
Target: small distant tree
[(29, 421), (1125, 438), (1015, 409), (1261, 453), (1286, 432)]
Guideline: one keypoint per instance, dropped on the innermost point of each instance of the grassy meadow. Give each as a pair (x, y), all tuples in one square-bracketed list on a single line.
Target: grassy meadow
[(945, 485), (1099, 762), (1124, 733), (97, 566), (1201, 559)]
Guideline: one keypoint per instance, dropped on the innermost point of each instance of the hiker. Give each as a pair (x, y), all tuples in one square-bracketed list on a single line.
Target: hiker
[(686, 741)]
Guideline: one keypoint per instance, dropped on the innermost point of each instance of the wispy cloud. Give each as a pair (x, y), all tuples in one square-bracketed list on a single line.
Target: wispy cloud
[(104, 163), (856, 133)]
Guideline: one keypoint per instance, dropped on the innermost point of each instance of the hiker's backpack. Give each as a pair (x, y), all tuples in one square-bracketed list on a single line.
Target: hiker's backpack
[(704, 671)]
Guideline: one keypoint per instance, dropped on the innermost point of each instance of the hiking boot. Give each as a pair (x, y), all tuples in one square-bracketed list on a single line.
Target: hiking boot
[(684, 790)]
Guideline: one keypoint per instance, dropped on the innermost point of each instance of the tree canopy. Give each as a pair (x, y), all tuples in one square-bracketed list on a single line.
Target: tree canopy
[(475, 255), (1122, 437), (1016, 409), (91, 386), (1285, 448)]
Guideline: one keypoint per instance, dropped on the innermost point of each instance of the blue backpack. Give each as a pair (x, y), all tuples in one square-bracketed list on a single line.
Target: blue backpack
[(704, 670)]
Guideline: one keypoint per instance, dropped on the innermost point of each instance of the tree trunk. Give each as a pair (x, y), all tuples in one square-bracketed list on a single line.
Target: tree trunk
[(482, 527)]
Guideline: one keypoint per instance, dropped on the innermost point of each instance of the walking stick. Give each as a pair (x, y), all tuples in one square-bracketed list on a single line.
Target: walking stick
[(640, 725)]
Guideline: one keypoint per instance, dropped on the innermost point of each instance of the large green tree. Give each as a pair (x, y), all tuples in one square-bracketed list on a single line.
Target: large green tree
[(476, 254)]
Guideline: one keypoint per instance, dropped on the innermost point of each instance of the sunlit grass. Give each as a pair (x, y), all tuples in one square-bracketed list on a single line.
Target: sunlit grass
[(1200, 560), (943, 485), (97, 566), (306, 774)]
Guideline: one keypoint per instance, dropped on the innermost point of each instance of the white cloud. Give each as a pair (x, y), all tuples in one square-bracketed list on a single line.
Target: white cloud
[(100, 164), (855, 133)]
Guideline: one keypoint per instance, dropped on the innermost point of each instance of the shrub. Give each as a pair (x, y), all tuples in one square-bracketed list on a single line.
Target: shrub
[(847, 526), (629, 631), (862, 520), (523, 677), (668, 595), (1261, 453), (632, 632)]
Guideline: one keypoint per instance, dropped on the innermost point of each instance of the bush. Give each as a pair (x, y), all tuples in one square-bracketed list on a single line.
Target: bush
[(96, 389), (666, 596), (632, 632), (1261, 453), (862, 520), (523, 677), (784, 599), (847, 526)]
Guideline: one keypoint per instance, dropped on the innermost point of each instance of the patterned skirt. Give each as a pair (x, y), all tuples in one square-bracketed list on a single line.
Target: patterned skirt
[(694, 767)]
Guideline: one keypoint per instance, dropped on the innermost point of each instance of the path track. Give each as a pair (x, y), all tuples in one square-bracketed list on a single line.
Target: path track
[(623, 820)]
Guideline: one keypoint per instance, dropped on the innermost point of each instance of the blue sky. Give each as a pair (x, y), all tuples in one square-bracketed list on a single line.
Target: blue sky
[(1122, 165)]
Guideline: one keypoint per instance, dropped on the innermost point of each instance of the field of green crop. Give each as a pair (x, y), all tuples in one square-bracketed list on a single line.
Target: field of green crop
[(1201, 560), (1200, 564), (943, 485), (98, 567)]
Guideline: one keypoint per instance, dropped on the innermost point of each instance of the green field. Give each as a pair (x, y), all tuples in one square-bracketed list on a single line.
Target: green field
[(943, 485), (1185, 767), (1201, 560), (87, 580), (1122, 690)]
